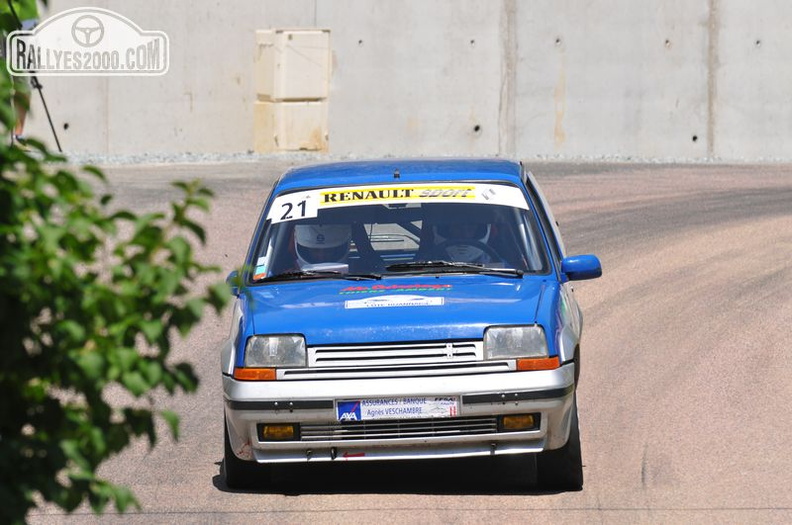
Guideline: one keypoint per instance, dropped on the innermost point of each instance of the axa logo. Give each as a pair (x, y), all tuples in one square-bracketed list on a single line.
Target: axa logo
[(349, 411)]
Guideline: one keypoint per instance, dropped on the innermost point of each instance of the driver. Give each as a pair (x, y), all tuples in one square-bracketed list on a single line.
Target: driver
[(456, 236), (316, 243)]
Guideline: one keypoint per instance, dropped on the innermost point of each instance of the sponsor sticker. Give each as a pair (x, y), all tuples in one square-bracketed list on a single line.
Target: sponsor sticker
[(396, 194), (394, 301), (397, 408), (260, 272), (306, 204)]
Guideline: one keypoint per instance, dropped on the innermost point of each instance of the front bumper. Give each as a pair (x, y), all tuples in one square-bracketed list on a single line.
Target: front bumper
[(549, 393)]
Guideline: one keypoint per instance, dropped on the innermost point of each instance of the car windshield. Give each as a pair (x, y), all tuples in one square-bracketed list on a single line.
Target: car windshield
[(375, 231)]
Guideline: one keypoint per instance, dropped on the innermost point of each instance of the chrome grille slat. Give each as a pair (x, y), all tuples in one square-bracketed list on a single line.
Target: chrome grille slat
[(374, 372), (370, 430)]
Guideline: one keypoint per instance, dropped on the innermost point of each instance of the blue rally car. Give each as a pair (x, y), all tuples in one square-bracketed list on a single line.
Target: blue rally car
[(405, 309)]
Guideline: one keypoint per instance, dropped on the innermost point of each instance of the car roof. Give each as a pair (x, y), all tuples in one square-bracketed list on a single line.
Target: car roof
[(350, 173)]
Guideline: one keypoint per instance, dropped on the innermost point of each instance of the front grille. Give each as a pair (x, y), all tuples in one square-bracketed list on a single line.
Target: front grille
[(387, 360), (415, 428), (394, 354)]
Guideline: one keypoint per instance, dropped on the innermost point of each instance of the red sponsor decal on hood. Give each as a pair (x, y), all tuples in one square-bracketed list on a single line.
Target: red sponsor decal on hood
[(380, 288)]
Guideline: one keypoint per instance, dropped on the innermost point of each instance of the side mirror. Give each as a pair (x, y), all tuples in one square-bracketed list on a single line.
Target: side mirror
[(233, 281), (581, 267)]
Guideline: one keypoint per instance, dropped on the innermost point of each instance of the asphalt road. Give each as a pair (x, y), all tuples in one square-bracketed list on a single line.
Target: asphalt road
[(685, 387)]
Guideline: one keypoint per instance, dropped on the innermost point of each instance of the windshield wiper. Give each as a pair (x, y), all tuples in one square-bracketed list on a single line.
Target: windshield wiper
[(449, 266), (363, 276), (319, 274), (297, 275)]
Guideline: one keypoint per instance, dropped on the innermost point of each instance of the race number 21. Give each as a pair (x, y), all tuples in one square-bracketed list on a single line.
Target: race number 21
[(293, 206), (288, 208)]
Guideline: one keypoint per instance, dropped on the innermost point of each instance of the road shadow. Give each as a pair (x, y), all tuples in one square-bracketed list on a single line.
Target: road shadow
[(503, 475)]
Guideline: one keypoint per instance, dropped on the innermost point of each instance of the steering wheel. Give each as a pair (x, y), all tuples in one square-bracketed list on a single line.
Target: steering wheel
[(489, 250)]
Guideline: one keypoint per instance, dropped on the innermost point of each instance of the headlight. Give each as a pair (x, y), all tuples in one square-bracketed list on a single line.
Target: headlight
[(275, 351), (512, 342)]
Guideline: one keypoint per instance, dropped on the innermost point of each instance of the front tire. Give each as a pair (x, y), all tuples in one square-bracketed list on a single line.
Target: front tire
[(562, 469), (241, 474)]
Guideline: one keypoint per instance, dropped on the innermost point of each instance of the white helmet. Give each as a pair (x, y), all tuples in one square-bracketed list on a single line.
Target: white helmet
[(457, 234), (315, 243)]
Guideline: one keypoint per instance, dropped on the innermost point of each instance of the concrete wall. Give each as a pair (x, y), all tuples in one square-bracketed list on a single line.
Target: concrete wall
[(752, 83), (404, 84), (612, 77), (203, 104), (682, 79)]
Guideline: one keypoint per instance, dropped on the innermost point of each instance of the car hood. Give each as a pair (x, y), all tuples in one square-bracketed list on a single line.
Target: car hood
[(401, 309)]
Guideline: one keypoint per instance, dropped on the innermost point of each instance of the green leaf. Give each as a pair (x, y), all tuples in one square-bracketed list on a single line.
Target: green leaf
[(172, 419), (93, 170), (124, 499), (124, 215), (140, 421), (100, 493), (71, 448), (197, 230), (180, 184), (92, 364), (153, 372), (134, 383), (98, 441), (185, 377), (196, 306), (126, 358), (218, 295), (180, 249), (152, 329), (72, 329)]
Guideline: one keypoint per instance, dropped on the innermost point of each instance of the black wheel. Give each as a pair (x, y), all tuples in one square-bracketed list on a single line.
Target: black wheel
[(519, 470), (241, 474), (562, 469)]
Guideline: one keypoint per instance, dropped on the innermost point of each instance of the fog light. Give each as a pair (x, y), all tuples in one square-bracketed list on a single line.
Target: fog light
[(277, 432), (519, 422)]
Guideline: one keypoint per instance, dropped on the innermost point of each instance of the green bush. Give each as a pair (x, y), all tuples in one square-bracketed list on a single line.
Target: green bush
[(91, 298)]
